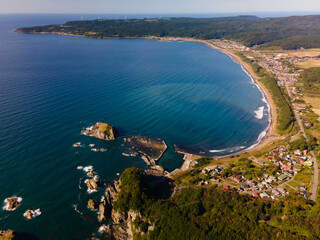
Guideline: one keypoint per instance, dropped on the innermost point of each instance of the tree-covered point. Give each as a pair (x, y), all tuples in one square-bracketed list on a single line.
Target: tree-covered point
[(215, 213), (286, 32)]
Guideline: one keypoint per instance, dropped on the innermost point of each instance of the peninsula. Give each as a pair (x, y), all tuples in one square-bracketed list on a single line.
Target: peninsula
[(286, 33)]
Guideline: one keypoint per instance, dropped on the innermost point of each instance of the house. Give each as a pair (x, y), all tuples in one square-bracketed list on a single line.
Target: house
[(255, 194), (271, 179), (254, 182), (260, 185), (303, 188), (245, 186), (296, 170), (282, 177), (244, 178), (276, 193), (304, 193), (206, 170), (256, 187), (308, 163), (288, 173), (297, 152), (236, 179), (264, 195), (219, 169), (225, 187), (282, 190), (286, 166)]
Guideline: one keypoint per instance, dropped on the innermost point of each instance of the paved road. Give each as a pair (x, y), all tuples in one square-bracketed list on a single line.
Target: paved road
[(315, 164)]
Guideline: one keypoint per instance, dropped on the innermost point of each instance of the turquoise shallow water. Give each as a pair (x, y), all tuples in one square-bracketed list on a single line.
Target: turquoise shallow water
[(51, 87)]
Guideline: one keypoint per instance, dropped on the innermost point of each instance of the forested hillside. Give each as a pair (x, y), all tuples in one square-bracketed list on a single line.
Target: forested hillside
[(213, 213), (286, 32)]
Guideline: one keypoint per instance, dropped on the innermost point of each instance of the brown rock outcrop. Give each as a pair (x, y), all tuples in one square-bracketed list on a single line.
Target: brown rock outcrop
[(92, 205), (102, 212), (28, 214), (8, 235), (104, 131), (122, 224), (91, 184), (12, 203), (105, 206)]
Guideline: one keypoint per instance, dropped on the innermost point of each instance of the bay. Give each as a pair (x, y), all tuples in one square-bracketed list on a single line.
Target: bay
[(51, 87)]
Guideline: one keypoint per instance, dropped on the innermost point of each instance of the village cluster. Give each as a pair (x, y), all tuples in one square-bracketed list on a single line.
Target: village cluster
[(227, 44), (269, 185)]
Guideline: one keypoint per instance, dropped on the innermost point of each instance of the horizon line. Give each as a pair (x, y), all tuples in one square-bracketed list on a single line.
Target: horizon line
[(251, 12)]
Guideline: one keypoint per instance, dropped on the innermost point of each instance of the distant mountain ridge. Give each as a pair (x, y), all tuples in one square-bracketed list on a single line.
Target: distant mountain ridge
[(284, 32)]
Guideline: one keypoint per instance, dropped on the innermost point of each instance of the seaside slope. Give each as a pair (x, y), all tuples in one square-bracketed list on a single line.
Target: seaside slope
[(286, 33)]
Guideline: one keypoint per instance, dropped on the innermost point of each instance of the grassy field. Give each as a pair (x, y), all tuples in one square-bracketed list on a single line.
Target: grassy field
[(314, 52), (303, 178), (309, 63)]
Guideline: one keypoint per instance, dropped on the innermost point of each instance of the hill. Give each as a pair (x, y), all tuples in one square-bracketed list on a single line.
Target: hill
[(286, 32), (207, 213)]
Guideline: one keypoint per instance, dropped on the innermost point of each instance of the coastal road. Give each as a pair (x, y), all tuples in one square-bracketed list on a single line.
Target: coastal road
[(315, 163)]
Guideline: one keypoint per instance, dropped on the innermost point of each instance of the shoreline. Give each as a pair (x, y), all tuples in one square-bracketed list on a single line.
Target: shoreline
[(270, 129)]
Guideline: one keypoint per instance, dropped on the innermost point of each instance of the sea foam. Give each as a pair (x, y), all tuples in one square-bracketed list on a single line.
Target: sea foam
[(75, 207), (216, 151), (259, 113)]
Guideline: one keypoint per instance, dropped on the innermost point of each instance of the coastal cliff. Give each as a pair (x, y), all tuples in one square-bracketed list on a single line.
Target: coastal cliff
[(142, 211), (122, 202), (104, 131)]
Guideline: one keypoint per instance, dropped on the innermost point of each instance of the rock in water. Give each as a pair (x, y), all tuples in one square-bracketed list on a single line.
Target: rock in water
[(29, 214), (91, 184), (102, 212), (92, 205), (104, 131), (8, 235), (12, 203), (105, 229)]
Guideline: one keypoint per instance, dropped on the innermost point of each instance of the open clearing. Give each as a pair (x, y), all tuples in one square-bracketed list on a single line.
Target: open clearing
[(309, 63)]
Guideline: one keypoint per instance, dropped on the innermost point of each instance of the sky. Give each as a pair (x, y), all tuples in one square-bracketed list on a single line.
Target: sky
[(157, 6)]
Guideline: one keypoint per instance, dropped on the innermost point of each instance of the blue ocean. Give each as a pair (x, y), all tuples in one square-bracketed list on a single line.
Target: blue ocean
[(53, 86)]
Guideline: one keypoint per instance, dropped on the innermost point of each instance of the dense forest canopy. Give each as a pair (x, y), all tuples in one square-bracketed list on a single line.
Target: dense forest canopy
[(286, 32), (215, 213)]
